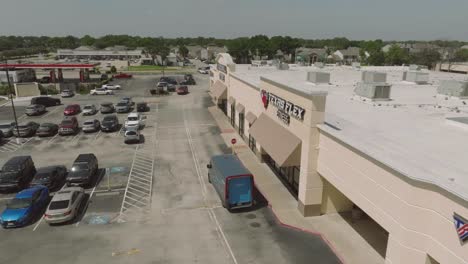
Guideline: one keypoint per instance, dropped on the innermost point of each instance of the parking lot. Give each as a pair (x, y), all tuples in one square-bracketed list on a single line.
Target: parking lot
[(152, 202)]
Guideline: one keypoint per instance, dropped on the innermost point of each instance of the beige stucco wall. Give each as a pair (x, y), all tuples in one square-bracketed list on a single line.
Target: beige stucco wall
[(418, 216)]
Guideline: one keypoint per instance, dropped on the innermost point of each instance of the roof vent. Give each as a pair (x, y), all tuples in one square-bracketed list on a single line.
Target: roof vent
[(417, 77), (318, 77), (374, 91), (283, 66), (373, 77), (453, 88)]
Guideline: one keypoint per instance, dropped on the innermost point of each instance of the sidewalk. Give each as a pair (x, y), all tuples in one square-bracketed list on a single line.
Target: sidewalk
[(333, 228)]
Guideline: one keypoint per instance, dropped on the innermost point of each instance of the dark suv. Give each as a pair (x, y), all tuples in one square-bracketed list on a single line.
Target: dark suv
[(83, 170), (45, 101), (110, 123), (17, 173)]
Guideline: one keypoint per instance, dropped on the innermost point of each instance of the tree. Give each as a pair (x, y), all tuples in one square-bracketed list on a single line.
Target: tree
[(461, 55), (240, 49), (396, 56), (87, 40), (183, 51), (113, 69), (376, 58), (426, 57), (260, 45)]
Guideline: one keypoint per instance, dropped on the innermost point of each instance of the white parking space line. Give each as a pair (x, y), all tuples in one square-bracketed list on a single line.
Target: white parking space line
[(87, 204), (52, 139), (50, 112), (97, 135), (38, 223), (12, 146)]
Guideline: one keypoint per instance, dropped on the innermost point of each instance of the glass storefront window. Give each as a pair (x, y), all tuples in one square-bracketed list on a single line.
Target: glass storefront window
[(233, 115), (241, 124), (288, 175)]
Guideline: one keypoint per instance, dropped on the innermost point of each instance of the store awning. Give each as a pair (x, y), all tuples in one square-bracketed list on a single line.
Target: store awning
[(219, 90), (250, 117), (283, 146), (240, 108), (231, 100)]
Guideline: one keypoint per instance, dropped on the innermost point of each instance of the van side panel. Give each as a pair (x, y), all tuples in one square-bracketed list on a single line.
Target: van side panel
[(217, 180), (239, 191)]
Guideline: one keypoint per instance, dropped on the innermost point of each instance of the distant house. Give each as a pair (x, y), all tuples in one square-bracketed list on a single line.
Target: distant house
[(171, 59), (88, 52), (464, 47), (310, 56), (412, 47), (213, 51), (347, 56)]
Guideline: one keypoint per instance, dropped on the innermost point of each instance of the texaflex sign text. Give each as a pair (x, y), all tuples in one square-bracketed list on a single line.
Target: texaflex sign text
[(286, 108)]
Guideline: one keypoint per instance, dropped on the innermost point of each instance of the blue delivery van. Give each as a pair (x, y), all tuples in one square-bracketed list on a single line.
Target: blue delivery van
[(232, 181)]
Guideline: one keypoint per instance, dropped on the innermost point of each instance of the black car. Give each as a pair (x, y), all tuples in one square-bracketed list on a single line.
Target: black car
[(16, 173), (53, 177), (110, 123), (47, 130), (45, 101), (168, 80), (84, 168), (142, 107), (188, 82)]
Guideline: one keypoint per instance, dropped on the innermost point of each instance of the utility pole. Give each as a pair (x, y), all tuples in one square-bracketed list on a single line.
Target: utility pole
[(12, 103)]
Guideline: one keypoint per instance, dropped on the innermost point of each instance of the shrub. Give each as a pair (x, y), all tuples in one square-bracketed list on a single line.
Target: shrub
[(49, 89), (5, 90), (113, 69)]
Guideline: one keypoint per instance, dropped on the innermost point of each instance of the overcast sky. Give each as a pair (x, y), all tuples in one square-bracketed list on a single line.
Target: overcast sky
[(354, 19)]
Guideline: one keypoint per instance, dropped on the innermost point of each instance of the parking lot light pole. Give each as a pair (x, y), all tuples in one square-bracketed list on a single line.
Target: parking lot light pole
[(18, 139)]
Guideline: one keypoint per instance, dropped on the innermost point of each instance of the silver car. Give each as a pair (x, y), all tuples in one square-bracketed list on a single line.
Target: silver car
[(132, 135), (35, 109), (7, 129), (122, 107), (65, 205), (91, 125), (89, 109)]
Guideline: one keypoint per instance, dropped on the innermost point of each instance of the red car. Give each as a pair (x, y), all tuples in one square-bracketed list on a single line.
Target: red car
[(72, 109), (122, 76), (182, 90), (68, 126)]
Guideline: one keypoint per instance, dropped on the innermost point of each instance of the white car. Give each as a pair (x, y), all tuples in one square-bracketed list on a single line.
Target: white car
[(111, 86), (204, 70), (132, 135), (89, 109), (101, 91), (135, 120)]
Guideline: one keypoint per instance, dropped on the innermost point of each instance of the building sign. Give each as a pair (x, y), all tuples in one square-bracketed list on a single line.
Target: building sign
[(461, 225), (222, 77), (221, 68), (285, 108)]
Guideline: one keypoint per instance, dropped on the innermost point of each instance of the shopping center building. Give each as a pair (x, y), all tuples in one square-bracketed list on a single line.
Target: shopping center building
[(389, 142)]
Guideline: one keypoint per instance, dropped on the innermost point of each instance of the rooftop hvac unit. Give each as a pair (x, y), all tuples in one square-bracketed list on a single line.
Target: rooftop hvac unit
[(373, 91), (318, 77), (373, 77), (414, 67), (283, 66), (318, 64), (416, 77), (453, 88)]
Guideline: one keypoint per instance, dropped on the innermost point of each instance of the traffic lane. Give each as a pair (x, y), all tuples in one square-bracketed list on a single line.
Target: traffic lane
[(6, 112), (257, 237)]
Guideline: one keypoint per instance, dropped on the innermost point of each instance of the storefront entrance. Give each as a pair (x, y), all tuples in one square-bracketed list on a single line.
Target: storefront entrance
[(233, 115), (223, 106), (288, 175), (241, 124)]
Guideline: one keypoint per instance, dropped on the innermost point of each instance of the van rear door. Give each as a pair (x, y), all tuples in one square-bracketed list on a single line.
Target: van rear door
[(239, 191)]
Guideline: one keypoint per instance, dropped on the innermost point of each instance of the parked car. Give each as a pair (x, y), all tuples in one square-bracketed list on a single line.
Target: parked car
[(101, 91), (89, 109), (168, 79), (122, 107), (122, 76), (68, 126), (135, 120), (67, 93), (45, 101), (132, 135), (104, 77), (110, 123), (72, 109), (53, 177), (204, 70), (188, 82), (16, 173), (188, 76), (232, 181), (65, 205), (84, 168), (7, 129), (91, 125), (107, 108), (27, 129), (142, 107), (171, 87), (111, 86), (182, 90), (47, 130), (35, 109), (128, 100), (45, 79), (26, 205)]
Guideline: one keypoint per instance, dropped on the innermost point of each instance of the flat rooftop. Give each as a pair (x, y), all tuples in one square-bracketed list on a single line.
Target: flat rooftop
[(411, 133)]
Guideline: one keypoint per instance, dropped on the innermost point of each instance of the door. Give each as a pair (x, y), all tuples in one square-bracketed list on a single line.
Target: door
[(239, 190)]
